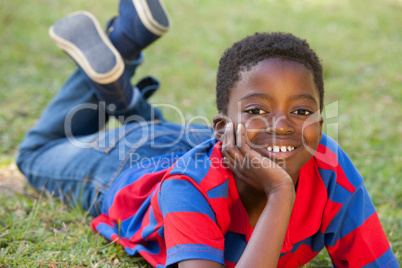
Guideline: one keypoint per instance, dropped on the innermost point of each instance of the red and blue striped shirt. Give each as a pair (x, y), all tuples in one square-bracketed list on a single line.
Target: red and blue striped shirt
[(188, 207)]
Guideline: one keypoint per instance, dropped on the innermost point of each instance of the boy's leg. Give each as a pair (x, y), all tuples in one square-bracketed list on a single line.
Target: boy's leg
[(60, 154), (65, 156), (81, 37), (80, 169), (140, 22), (75, 100), (46, 157)]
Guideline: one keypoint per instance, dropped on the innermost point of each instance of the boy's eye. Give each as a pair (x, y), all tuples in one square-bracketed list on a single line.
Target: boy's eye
[(302, 112), (256, 111)]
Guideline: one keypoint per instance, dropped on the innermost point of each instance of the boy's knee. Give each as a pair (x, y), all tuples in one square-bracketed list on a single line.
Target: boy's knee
[(22, 160)]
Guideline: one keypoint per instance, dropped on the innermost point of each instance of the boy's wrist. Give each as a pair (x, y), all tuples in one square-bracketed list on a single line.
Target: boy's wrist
[(282, 190)]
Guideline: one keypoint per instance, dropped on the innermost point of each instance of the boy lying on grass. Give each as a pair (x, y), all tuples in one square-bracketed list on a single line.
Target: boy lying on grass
[(264, 188)]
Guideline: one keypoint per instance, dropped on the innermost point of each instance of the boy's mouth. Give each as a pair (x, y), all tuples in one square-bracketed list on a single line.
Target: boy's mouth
[(279, 151), (283, 149)]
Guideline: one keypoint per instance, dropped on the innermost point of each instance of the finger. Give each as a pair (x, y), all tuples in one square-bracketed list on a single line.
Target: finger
[(230, 137), (234, 157), (228, 157), (232, 150), (229, 163), (235, 171), (225, 138), (239, 138), (243, 147)]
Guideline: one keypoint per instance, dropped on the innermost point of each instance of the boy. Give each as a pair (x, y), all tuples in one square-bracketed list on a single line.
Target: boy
[(269, 185)]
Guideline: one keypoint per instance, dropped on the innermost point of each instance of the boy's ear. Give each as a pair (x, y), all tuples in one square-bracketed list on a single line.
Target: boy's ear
[(219, 125)]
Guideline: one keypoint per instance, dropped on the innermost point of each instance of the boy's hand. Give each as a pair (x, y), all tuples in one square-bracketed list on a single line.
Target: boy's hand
[(250, 166)]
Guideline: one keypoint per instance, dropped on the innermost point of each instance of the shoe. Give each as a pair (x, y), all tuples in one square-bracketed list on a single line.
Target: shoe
[(82, 38), (140, 23)]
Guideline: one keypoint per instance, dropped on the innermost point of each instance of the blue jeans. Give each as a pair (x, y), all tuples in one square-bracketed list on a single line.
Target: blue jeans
[(69, 155)]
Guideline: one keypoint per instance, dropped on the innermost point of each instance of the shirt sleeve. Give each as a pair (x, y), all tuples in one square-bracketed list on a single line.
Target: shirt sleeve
[(355, 237), (190, 227)]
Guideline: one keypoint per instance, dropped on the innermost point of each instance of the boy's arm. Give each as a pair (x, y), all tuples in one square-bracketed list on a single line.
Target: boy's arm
[(264, 246)]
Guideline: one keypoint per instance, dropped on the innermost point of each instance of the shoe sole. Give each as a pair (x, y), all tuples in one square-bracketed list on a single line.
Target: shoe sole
[(153, 15), (81, 36)]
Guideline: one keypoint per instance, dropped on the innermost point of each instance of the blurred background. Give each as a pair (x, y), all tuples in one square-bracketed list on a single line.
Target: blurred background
[(359, 43)]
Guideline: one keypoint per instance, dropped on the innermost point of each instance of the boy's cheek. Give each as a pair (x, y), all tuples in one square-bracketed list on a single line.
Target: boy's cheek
[(311, 139), (312, 127), (255, 126), (253, 132)]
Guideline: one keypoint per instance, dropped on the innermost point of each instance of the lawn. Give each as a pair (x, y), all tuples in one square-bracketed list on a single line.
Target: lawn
[(359, 43)]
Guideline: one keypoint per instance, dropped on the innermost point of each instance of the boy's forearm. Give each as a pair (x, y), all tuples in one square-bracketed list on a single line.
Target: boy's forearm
[(266, 242)]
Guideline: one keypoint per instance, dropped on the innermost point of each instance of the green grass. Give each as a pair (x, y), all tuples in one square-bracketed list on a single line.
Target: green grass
[(359, 43), (38, 231)]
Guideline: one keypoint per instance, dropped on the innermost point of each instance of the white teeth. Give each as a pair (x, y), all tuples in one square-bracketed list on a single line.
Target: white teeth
[(277, 149)]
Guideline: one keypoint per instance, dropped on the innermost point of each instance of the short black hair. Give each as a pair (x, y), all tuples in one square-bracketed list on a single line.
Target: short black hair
[(251, 50)]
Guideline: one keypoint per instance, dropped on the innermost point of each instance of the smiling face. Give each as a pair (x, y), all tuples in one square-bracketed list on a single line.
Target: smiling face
[(278, 102)]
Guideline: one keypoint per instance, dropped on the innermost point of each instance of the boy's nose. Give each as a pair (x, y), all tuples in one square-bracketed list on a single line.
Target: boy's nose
[(280, 125)]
